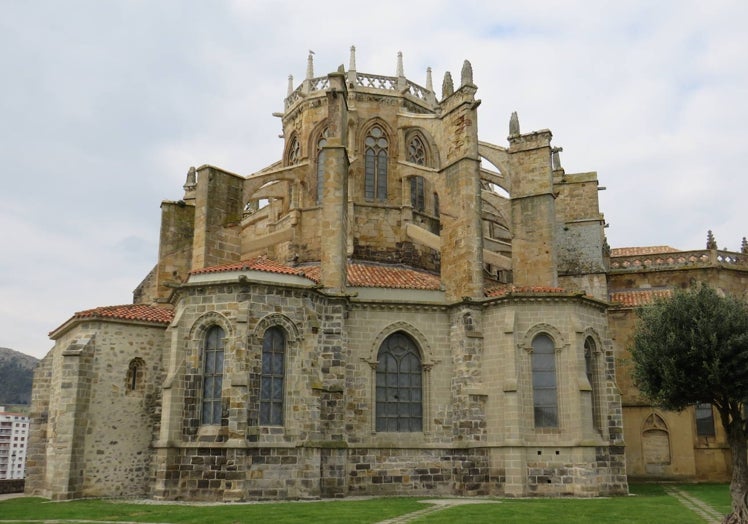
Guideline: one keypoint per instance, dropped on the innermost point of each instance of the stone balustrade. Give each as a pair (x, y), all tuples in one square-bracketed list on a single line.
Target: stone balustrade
[(363, 80), (678, 259)]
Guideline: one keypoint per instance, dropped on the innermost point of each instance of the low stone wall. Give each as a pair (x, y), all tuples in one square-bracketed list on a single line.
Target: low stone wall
[(12, 486)]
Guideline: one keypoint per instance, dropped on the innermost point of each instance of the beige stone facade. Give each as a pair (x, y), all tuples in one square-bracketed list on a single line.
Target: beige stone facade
[(660, 444), (394, 307)]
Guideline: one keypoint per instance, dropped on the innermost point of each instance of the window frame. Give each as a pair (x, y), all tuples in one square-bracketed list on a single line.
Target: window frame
[(272, 377), (399, 374), (293, 154), (320, 167), (376, 160), (704, 419), (545, 409), (212, 377)]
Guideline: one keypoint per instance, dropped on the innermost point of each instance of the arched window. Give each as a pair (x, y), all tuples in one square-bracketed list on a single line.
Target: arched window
[(273, 374), (375, 168), (590, 365), (399, 389), (321, 152), (135, 380), (416, 155), (544, 392), (212, 375), (416, 151), (294, 152)]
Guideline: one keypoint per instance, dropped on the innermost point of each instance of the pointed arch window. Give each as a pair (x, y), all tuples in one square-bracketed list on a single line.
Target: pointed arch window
[(376, 152), (272, 377), (544, 390), (212, 375), (294, 152), (590, 365), (399, 401), (416, 151), (321, 153), (417, 155)]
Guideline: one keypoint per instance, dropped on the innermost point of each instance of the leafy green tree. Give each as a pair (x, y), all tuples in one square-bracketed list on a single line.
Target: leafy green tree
[(692, 348)]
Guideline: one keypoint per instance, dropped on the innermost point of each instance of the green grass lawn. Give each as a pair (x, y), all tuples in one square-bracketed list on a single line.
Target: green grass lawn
[(648, 504), (716, 495)]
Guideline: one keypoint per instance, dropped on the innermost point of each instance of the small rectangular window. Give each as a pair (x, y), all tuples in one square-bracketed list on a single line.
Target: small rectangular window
[(704, 420)]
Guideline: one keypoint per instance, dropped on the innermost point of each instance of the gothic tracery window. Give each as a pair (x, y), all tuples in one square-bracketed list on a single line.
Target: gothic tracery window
[(272, 377), (544, 391), (416, 151), (294, 152), (375, 165), (399, 390), (212, 375), (417, 155)]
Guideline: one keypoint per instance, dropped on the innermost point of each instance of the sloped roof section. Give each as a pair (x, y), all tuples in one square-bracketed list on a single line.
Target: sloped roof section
[(396, 277), (131, 312), (256, 264), (639, 297), (637, 251), (141, 312), (358, 274)]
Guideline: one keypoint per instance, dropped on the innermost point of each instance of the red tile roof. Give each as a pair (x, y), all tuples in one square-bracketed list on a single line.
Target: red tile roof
[(372, 275), (136, 312), (142, 312), (637, 251), (359, 274), (257, 264), (639, 297)]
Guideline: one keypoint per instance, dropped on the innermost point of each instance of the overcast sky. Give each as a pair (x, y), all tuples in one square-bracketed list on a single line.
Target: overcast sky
[(104, 105)]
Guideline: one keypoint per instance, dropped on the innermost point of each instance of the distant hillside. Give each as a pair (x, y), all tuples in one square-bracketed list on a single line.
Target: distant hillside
[(16, 375)]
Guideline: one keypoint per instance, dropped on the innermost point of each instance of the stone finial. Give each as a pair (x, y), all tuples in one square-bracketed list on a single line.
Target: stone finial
[(429, 82), (466, 75), (514, 124), (310, 66), (711, 242), (744, 247), (400, 70), (448, 86), (290, 85), (191, 182), (352, 61), (341, 68)]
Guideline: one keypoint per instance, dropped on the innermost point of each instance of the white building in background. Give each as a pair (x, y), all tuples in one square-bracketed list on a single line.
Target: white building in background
[(14, 433)]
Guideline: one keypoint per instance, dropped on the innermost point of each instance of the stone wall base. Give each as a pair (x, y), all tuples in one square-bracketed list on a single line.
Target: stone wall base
[(283, 473)]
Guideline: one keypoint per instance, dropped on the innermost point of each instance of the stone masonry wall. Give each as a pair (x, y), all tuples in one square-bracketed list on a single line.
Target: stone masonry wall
[(120, 420), (36, 461)]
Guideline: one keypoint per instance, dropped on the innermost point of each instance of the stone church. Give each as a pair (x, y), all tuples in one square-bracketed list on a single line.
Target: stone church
[(393, 307)]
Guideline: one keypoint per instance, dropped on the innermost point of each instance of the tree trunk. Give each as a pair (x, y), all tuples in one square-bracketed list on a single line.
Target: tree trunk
[(739, 483)]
